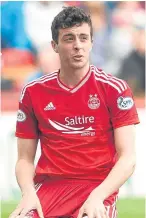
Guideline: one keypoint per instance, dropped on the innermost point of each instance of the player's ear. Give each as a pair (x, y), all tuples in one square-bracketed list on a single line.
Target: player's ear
[(54, 46)]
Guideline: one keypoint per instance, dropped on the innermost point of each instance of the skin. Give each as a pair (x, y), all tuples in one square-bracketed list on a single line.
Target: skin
[(72, 42), (25, 170)]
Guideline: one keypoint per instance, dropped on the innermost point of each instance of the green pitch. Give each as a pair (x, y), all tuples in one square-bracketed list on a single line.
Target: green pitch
[(131, 208), (128, 208)]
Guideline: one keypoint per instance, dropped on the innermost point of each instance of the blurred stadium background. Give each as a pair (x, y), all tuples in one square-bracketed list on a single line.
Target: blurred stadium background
[(118, 48)]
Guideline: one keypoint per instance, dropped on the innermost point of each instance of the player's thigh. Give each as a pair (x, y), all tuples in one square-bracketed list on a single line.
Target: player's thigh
[(111, 211)]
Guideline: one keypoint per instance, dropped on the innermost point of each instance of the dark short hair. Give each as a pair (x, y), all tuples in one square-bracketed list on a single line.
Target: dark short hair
[(69, 17)]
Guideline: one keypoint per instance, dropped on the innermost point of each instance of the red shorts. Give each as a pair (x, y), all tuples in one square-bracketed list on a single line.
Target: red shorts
[(63, 198)]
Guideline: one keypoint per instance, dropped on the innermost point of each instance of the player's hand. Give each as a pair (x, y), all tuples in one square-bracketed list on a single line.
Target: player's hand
[(29, 201), (93, 208)]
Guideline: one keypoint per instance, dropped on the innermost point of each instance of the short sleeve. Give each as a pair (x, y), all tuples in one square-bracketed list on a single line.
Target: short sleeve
[(122, 107), (27, 125)]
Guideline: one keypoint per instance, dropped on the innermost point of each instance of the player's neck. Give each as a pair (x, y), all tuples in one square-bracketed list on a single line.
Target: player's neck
[(71, 77)]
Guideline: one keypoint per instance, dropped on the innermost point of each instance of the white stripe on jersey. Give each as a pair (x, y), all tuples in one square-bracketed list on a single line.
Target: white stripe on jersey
[(43, 77), (107, 209), (113, 212), (38, 186), (40, 80), (111, 78), (113, 81), (108, 82)]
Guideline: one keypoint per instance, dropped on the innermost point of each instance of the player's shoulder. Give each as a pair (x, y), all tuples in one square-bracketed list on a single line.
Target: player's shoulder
[(42, 80), (108, 81), (39, 82)]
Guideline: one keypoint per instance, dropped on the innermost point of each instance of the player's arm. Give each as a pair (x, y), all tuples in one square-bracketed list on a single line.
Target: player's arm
[(123, 116), (25, 173), (28, 134), (124, 167), (25, 164)]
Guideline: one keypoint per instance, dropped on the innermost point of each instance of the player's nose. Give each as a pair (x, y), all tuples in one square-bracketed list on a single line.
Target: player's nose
[(77, 44)]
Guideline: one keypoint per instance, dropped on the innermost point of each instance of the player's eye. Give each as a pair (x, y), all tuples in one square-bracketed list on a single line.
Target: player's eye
[(69, 39), (84, 38)]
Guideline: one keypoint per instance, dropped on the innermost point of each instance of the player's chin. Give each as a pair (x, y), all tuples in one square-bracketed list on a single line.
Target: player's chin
[(78, 65)]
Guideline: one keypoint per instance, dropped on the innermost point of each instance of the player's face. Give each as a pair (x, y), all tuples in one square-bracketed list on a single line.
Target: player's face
[(74, 46)]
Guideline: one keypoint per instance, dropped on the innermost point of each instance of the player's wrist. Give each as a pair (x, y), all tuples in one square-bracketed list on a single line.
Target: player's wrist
[(28, 189), (98, 195)]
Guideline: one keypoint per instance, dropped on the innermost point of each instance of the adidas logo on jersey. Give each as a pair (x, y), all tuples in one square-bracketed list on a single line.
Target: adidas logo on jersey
[(50, 106)]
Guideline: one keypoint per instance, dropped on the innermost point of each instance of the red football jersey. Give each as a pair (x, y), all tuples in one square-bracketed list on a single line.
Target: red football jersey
[(75, 125)]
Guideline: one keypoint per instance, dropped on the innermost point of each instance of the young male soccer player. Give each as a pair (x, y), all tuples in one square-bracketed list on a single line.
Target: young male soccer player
[(84, 119)]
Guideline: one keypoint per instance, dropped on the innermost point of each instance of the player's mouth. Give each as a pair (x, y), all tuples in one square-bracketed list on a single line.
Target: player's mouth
[(78, 57)]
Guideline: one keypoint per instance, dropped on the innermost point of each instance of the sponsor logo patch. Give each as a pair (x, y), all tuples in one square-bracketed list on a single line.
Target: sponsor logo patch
[(21, 116), (125, 103), (70, 127)]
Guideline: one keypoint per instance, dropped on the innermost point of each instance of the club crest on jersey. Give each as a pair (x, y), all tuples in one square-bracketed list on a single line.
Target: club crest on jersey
[(125, 103), (93, 102)]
